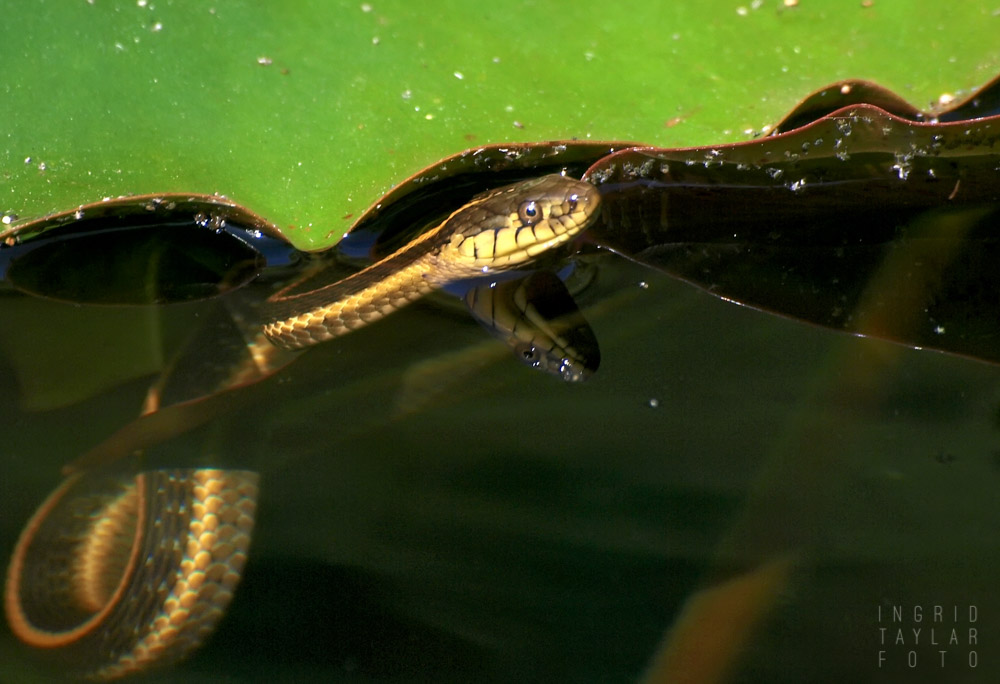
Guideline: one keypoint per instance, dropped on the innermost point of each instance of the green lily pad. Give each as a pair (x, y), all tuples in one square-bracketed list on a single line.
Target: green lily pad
[(308, 112)]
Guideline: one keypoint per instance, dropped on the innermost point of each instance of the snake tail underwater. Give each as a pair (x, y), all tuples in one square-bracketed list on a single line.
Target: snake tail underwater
[(116, 573), (501, 230)]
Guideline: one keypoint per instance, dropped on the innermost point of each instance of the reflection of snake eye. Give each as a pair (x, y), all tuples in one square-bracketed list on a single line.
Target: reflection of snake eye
[(527, 351), (529, 212), (571, 201)]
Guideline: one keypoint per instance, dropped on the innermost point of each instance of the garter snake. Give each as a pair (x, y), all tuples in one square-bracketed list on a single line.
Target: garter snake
[(497, 231), (114, 573)]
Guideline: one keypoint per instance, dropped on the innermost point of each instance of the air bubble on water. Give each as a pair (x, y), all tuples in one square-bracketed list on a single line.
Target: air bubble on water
[(78, 214), (27, 160), (842, 155), (654, 402), (569, 371), (8, 218), (201, 219), (939, 329), (643, 285), (774, 173), (903, 166), (798, 186), (407, 94), (843, 126)]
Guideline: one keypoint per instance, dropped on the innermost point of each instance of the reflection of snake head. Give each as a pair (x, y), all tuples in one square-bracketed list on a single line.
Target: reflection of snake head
[(506, 228)]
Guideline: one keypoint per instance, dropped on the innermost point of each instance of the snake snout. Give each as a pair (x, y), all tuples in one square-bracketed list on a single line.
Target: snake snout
[(583, 197), (571, 201)]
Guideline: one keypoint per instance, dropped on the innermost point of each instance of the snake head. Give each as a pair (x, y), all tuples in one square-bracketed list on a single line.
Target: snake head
[(508, 227)]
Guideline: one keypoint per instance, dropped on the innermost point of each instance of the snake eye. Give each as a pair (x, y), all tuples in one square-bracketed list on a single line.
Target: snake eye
[(529, 212)]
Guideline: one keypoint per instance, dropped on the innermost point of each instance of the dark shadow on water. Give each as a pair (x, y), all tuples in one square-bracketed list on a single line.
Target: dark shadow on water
[(296, 616)]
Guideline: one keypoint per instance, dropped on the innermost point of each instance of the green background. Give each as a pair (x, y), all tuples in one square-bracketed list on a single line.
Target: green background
[(135, 97)]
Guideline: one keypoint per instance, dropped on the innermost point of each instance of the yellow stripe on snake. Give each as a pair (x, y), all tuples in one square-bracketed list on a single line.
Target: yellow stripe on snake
[(115, 572)]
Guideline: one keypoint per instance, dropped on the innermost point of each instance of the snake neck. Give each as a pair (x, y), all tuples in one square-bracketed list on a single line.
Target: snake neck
[(359, 299)]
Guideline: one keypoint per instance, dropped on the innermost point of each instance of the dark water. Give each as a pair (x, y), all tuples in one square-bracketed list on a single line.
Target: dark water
[(433, 511)]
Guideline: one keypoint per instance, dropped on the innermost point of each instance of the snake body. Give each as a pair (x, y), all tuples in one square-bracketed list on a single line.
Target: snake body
[(115, 573), (501, 230)]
